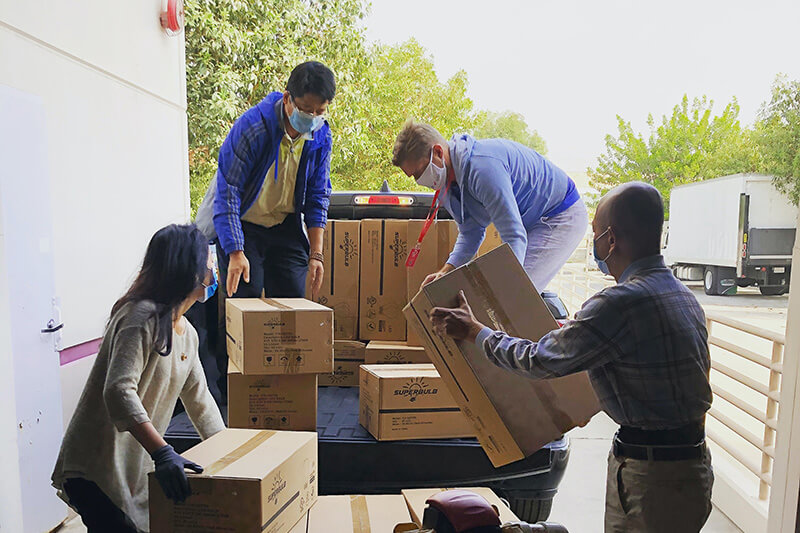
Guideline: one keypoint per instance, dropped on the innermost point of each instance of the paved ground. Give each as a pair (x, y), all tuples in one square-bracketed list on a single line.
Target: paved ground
[(580, 502), (744, 297)]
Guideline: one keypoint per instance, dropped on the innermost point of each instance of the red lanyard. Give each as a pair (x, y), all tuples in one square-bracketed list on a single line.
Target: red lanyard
[(414, 253)]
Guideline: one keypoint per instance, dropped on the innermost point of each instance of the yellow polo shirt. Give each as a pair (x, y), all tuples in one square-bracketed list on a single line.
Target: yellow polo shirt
[(276, 199)]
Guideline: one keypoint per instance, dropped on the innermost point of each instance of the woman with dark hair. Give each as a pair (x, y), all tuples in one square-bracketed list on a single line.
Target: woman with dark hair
[(147, 361)]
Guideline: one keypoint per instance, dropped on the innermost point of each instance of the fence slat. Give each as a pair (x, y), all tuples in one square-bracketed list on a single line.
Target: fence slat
[(740, 430), (744, 352), (744, 379)]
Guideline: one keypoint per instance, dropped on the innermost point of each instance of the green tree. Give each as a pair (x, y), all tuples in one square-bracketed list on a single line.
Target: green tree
[(237, 52), (401, 83), (690, 145), (778, 136), (508, 125)]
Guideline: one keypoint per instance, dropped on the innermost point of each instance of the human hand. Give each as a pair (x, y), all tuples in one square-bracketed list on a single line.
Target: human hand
[(316, 271), (171, 475), (238, 267), (459, 322)]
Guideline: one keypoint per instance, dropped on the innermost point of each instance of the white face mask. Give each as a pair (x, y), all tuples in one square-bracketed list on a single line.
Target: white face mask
[(433, 177)]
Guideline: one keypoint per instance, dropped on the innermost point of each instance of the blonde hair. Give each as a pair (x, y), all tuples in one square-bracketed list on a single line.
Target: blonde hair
[(414, 141)]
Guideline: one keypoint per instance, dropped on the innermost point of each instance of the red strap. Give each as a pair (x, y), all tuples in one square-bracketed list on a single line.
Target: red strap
[(412, 256)]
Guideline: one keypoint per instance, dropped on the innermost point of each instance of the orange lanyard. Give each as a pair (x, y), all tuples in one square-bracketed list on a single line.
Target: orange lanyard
[(414, 253)]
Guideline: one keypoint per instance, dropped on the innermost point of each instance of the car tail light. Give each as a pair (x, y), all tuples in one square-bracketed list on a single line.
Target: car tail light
[(383, 199)]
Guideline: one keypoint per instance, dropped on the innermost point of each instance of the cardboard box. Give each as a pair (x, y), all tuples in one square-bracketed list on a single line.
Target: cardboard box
[(355, 514), (285, 402), (408, 401), (384, 248), (435, 250), (416, 498), (340, 282), (279, 335), (388, 352), (348, 356), (253, 481), (513, 416), (490, 241)]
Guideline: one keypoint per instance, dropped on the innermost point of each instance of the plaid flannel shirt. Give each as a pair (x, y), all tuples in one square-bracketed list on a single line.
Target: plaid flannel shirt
[(643, 342)]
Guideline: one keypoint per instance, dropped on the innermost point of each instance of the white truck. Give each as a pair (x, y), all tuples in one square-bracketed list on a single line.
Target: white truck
[(734, 231)]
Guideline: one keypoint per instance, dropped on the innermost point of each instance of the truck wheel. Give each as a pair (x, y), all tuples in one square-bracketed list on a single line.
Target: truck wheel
[(531, 510), (720, 281), (711, 281), (773, 291)]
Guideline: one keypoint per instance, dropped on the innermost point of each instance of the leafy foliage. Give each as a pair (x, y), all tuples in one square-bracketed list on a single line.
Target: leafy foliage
[(778, 136), (237, 52), (690, 145), (508, 125)]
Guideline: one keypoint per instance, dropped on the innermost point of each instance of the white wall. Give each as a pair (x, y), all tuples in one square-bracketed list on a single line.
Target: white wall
[(113, 84)]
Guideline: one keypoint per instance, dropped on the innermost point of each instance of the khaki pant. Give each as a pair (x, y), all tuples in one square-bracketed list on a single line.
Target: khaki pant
[(658, 496)]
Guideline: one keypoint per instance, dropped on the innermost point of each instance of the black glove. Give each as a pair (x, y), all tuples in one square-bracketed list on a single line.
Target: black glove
[(171, 475)]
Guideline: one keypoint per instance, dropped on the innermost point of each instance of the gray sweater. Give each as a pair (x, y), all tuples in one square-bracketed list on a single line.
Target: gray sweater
[(130, 383)]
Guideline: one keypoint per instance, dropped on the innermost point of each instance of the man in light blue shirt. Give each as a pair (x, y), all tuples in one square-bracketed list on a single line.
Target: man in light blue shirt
[(533, 204)]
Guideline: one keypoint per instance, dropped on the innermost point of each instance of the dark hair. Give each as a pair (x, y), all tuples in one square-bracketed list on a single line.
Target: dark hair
[(636, 213), (312, 77), (174, 265)]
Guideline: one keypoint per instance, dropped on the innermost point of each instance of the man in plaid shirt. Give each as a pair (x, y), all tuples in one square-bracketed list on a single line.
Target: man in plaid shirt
[(644, 345)]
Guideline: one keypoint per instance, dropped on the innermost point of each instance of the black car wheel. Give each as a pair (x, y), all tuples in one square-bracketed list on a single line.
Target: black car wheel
[(531, 510)]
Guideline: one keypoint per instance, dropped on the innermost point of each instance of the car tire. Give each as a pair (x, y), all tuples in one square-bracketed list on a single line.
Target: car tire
[(531, 510), (774, 291)]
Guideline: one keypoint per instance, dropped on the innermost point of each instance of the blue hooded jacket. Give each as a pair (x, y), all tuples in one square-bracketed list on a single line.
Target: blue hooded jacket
[(505, 183), (249, 150)]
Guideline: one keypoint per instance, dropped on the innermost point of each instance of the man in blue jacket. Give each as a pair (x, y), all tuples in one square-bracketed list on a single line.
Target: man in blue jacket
[(533, 204), (272, 185)]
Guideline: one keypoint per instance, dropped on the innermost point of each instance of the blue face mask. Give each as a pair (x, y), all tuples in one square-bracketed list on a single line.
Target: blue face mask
[(209, 290), (304, 122), (601, 263)]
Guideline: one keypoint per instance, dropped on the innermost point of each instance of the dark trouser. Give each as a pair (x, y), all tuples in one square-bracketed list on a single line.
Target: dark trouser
[(278, 259), (98, 512)]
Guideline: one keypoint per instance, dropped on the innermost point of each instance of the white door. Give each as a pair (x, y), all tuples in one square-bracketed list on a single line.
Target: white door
[(30, 395)]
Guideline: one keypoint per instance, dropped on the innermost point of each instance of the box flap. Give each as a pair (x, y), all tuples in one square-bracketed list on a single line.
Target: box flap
[(392, 345), (502, 297), (295, 304), (405, 370), (246, 453)]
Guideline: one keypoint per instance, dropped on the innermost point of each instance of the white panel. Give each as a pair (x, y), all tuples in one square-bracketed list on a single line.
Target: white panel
[(122, 38), (10, 494), (117, 157), (73, 379), (704, 222), (25, 186), (768, 207)]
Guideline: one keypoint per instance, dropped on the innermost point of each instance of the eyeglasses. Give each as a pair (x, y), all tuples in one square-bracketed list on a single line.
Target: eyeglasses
[(324, 114)]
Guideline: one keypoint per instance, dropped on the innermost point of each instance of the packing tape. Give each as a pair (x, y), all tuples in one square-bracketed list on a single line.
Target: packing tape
[(230, 458), (358, 507), (500, 320), (542, 389)]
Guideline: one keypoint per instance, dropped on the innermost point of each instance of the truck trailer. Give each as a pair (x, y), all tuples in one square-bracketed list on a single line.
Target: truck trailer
[(733, 231)]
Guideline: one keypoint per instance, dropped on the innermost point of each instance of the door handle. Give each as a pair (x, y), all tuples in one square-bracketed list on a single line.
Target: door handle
[(52, 327)]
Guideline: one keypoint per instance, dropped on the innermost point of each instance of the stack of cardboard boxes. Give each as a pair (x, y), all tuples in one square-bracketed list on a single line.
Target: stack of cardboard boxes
[(367, 284), (276, 348)]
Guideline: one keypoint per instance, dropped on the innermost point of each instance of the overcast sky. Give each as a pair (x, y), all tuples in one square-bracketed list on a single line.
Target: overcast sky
[(570, 66)]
